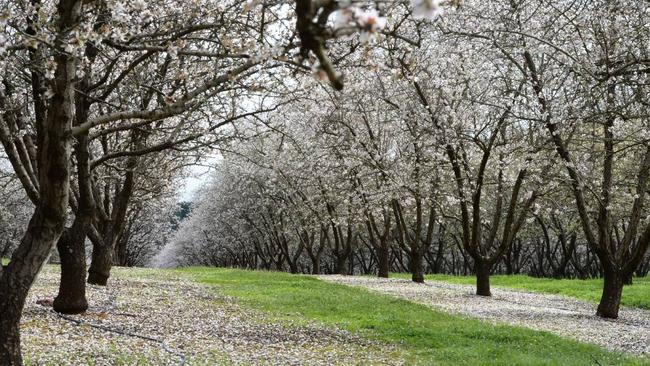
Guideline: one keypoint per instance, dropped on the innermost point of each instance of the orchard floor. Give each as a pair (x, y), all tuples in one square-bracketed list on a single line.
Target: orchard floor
[(564, 316), (207, 316), (153, 317)]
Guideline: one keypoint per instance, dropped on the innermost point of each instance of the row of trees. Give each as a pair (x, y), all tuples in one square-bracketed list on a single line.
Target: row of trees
[(511, 136), (104, 102)]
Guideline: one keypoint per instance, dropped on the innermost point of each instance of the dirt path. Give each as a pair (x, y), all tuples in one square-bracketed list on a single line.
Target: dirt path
[(557, 314), (148, 317)]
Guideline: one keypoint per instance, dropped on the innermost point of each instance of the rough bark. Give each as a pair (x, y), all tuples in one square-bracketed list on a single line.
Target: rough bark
[(611, 297), (71, 298), (10, 334), (483, 270), (417, 270), (101, 263), (47, 222)]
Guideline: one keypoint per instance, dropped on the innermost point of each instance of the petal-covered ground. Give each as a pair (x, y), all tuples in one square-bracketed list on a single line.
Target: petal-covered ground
[(153, 317), (561, 315)]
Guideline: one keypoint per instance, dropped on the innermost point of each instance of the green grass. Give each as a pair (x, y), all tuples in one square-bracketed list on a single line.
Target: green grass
[(426, 337), (636, 295)]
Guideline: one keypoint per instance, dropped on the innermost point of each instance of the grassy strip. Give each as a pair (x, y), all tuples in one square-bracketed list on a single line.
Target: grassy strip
[(426, 336), (636, 295)]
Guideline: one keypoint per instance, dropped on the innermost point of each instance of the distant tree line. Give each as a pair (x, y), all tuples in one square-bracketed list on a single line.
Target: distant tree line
[(511, 137)]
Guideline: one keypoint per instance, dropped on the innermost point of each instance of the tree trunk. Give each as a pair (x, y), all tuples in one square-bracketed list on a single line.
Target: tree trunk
[(383, 257), (508, 259), (483, 278), (628, 280), (17, 278), (48, 221), (120, 255), (72, 244), (104, 249), (43, 231), (100, 267), (611, 298), (72, 288), (342, 264), (417, 272), (10, 334)]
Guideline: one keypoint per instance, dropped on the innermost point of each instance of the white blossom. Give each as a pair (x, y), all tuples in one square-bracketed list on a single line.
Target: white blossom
[(426, 9)]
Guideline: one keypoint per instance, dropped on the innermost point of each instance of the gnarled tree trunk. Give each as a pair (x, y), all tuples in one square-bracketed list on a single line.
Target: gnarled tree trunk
[(48, 220)]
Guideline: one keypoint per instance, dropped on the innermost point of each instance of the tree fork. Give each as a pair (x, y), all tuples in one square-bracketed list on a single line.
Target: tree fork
[(71, 298)]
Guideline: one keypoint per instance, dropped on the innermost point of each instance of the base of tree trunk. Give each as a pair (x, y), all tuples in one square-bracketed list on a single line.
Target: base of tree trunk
[(66, 306), (100, 266), (97, 279), (483, 280), (611, 298), (383, 262), (417, 273), (71, 298), (75, 304), (417, 277)]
